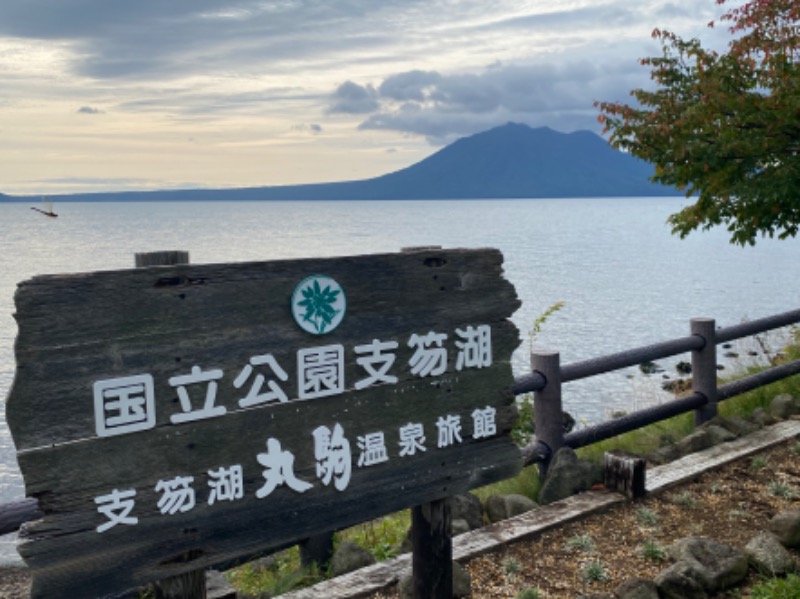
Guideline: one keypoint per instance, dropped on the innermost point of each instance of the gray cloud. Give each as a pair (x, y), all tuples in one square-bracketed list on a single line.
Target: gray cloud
[(442, 107), (412, 85), (89, 110), (157, 38), (314, 128), (351, 98)]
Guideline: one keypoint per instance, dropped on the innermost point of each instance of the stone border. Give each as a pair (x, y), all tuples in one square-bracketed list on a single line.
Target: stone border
[(472, 544)]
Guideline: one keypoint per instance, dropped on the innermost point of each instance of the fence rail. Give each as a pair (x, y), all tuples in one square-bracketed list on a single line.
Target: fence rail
[(545, 383)]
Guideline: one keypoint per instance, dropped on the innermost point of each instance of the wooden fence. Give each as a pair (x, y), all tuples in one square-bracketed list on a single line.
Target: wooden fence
[(548, 376)]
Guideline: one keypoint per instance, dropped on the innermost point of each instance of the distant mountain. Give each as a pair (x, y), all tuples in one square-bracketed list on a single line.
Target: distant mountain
[(511, 161)]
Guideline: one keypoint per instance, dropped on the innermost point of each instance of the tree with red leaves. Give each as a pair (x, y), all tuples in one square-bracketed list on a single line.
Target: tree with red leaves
[(724, 127)]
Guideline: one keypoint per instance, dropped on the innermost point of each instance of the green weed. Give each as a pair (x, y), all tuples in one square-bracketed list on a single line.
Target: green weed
[(530, 593), (594, 571), (778, 588), (581, 542), (511, 567), (685, 499), (652, 550), (646, 516), (782, 490)]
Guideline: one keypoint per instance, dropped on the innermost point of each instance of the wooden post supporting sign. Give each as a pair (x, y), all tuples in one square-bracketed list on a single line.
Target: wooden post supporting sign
[(192, 584), (432, 561)]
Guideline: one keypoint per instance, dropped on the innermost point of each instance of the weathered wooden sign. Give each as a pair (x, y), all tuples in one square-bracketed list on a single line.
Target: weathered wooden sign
[(169, 418)]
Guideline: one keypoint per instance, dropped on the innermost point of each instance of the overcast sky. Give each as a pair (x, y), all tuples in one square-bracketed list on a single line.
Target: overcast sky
[(111, 95)]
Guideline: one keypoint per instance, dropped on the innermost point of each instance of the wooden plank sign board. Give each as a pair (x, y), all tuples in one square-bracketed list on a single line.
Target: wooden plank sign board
[(170, 418)]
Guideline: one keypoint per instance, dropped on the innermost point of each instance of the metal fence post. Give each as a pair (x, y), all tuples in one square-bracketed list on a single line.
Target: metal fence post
[(704, 368), (547, 408)]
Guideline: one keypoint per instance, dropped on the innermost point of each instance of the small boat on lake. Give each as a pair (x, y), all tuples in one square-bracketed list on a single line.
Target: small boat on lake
[(46, 209)]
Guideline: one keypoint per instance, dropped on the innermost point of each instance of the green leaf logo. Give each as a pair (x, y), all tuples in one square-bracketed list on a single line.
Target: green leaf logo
[(318, 304)]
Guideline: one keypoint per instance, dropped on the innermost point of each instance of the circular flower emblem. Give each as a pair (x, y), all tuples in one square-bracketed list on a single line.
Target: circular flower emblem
[(318, 304)]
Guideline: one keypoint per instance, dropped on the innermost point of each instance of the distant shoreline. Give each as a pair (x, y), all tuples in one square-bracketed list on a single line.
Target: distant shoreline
[(81, 198)]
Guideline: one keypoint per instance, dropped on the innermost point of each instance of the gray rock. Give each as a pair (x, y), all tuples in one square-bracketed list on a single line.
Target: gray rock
[(269, 562), (694, 442), (676, 582), (462, 585), (567, 476), (217, 586), (664, 455), (713, 565), (768, 555), (501, 507), (786, 527), (349, 557), (459, 526), (783, 406), (740, 426), (762, 418), (467, 507), (637, 588), (719, 434)]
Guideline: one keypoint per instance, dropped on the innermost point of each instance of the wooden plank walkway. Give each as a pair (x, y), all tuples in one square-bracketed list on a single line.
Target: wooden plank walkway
[(368, 580)]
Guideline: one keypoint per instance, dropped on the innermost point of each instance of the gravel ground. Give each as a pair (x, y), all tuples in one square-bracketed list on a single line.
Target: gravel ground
[(15, 582), (730, 504)]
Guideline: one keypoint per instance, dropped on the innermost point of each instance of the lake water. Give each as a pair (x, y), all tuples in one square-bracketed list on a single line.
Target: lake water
[(624, 279)]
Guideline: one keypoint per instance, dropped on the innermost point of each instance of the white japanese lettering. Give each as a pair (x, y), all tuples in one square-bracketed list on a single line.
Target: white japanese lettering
[(475, 351), (320, 371), (429, 358), (377, 362), (177, 495), (226, 484), (484, 422), (373, 449), (117, 507), (124, 405), (197, 377), (279, 470), (254, 395), (332, 451), (412, 439), (449, 430)]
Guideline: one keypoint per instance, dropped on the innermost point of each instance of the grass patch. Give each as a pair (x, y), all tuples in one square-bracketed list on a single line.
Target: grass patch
[(641, 441), (778, 588), (511, 568), (525, 483), (582, 542), (530, 593), (646, 516), (594, 571), (685, 499), (382, 537), (652, 550), (782, 490), (277, 576)]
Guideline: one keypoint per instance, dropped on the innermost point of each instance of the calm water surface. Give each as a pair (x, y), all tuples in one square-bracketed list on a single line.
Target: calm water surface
[(625, 280)]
